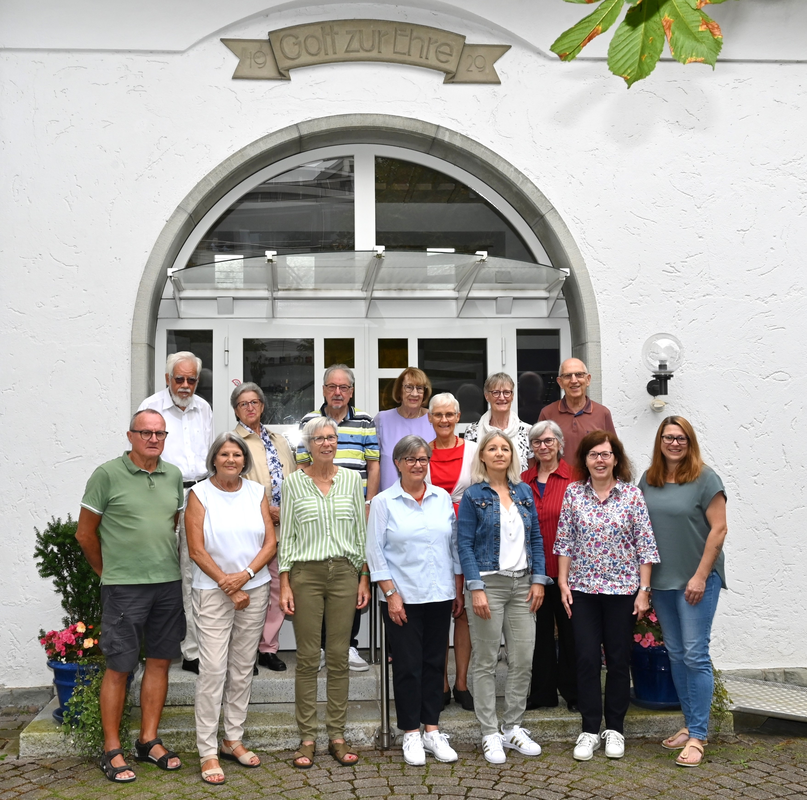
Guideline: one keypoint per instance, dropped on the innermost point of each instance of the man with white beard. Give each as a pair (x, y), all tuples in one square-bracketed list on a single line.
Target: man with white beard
[(189, 422)]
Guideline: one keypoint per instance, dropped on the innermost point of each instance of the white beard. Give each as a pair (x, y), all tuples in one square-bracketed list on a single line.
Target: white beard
[(180, 402)]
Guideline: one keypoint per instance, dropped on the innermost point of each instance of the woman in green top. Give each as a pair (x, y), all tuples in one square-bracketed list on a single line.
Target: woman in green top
[(687, 505), (321, 555)]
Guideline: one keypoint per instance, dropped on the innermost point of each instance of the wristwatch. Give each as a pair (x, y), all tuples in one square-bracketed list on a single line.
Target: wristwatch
[(249, 572), (391, 592), (645, 589)]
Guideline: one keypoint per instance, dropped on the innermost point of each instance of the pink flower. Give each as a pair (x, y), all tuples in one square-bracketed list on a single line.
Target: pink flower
[(652, 616), (637, 637)]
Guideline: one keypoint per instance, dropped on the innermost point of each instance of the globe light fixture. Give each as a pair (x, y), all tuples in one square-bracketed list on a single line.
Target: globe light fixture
[(662, 354)]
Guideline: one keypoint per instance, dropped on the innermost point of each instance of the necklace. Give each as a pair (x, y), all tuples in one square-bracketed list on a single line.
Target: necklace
[(218, 485)]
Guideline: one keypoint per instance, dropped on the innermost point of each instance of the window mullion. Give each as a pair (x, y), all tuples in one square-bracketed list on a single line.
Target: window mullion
[(364, 208)]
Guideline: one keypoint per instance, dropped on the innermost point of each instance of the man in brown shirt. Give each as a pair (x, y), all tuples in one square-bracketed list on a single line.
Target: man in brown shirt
[(575, 413)]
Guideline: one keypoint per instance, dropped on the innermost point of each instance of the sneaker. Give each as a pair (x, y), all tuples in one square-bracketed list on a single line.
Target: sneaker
[(321, 659), (614, 744), (585, 746), (492, 748), (436, 743), (355, 661), (413, 751), (518, 738)]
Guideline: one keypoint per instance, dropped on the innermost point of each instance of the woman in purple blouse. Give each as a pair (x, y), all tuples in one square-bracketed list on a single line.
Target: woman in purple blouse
[(606, 549)]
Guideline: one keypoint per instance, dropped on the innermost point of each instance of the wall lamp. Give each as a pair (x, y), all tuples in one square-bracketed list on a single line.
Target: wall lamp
[(662, 354)]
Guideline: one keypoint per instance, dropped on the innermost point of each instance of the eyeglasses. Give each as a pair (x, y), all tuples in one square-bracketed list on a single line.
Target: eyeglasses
[(146, 435), (410, 461), (448, 415), (248, 403), (409, 389), (605, 455), (548, 442), (324, 439), (506, 393), (183, 379), (342, 387), (567, 376), (668, 438)]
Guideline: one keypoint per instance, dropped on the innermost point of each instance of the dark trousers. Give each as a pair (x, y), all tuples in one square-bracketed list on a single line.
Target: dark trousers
[(553, 670), (420, 656), (607, 620)]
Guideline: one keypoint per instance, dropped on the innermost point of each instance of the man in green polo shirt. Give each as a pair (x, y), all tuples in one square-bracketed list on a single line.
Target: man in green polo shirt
[(126, 530)]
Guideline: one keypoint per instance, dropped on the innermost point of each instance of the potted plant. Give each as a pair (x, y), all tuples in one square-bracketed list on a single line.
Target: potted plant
[(653, 685)]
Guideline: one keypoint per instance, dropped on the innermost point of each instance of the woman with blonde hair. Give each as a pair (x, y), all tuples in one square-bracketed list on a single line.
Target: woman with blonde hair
[(687, 505)]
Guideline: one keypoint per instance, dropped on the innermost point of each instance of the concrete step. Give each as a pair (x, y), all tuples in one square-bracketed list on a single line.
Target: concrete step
[(272, 727)]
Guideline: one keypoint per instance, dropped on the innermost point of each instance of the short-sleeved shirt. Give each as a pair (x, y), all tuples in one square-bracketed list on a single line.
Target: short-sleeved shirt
[(357, 442), (606, 540), (575, 426), (137, 510), (678, 514)]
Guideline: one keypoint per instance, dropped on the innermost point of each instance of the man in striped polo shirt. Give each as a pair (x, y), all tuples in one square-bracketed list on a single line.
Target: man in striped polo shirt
[(357, 448)]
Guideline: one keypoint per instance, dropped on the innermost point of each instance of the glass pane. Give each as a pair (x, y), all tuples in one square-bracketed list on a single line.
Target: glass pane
[(305, 210), (418, 207), (385, 400), (393, 353), (459, 366), (340, 351), (200, 343), (284, 369), (537, 362)]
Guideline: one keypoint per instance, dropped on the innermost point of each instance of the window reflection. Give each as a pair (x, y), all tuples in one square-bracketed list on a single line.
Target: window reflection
[(459, 366)]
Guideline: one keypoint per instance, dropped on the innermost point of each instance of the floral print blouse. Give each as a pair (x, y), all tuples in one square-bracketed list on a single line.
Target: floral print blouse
[(606, 540)]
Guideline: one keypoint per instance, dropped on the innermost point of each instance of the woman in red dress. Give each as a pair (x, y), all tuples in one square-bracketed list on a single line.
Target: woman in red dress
[(450, 469), (553, 670)]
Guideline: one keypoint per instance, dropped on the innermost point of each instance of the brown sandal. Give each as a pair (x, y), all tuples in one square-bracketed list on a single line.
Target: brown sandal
[(672, 742), (683, 756), (304, 751), (340, 751)]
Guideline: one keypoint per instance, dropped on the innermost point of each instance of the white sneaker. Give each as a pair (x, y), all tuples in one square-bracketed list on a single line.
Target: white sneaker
[(436, 743), (413, 751), (585, 746), (492, 748), (614, 744), (355, 661), (518, 738), (321, 659)]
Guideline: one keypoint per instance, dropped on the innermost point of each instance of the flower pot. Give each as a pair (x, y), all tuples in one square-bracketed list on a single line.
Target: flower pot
[(653, 685), (65, 678)]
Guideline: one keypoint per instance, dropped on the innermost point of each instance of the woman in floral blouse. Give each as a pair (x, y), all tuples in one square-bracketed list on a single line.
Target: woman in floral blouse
[(606, 549)]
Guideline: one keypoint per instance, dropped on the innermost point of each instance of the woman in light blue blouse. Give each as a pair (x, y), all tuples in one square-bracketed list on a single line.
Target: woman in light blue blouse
[(412, 555)]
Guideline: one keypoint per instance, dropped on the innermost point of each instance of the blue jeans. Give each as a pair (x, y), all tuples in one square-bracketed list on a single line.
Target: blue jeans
[(687, 631)]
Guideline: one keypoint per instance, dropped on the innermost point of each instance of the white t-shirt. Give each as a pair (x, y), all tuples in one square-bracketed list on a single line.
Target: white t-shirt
[(512, 547), (234, 530)]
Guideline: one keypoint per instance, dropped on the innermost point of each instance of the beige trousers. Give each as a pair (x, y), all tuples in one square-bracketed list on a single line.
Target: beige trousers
[(228, 641)]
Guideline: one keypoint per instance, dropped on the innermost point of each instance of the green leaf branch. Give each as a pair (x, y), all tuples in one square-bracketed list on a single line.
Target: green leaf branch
[(638, 42)]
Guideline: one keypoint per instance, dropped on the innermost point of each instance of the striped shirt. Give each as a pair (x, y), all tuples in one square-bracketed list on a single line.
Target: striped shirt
[(357, 443), (317, 527)]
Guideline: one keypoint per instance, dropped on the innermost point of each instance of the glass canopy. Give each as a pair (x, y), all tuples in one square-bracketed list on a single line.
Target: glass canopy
[(366, 275)]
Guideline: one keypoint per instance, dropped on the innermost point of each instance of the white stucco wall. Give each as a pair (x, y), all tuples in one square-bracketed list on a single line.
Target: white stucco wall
[(686, 196)]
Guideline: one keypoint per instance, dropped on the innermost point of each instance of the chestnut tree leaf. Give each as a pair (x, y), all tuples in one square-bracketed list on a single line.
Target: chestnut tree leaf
[(569, 44), (692, 36), (638, 42)]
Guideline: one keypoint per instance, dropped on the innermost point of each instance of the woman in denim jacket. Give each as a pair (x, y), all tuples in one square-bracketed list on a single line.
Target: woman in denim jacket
[(502, 558)]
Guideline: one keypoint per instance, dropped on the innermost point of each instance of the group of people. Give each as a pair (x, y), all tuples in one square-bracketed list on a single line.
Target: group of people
[(495, 530)]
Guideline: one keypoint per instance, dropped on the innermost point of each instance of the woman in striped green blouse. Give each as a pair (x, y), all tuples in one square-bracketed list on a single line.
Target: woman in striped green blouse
[(321, 554)]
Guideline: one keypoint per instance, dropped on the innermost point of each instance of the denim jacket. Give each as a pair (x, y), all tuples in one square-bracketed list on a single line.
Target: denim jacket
[(479, 532)]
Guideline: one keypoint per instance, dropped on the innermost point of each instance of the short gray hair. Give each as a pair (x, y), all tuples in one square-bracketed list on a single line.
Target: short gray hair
[(408, 446), (497, 379), (219, 442), (342, 368), (177, 358), (444, 399), (249, 386), (553, 427), (311, 428), (479, 472), (133, 420)]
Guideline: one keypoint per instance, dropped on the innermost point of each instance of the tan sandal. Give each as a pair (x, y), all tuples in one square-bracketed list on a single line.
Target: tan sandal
[(340, 751), (306, 751), (683, 756), (678, 741), (245, 759), (213, 772)]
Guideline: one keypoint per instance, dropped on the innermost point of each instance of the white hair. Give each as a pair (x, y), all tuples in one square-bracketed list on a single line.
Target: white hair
[(177, 358), (444, 399), (544, 424)]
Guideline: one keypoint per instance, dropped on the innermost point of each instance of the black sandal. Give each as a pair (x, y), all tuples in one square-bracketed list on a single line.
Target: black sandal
[(113, 772), (144, 754)]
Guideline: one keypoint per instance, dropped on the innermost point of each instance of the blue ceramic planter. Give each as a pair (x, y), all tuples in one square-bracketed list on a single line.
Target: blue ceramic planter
[(65, 677), (653, 685)]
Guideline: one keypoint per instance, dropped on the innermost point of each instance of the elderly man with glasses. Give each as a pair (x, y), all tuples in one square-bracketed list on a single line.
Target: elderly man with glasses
[(189, 420), (357, 449), (576, 414)]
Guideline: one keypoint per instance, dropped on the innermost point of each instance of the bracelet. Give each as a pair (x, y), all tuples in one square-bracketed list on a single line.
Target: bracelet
[(365, 573)]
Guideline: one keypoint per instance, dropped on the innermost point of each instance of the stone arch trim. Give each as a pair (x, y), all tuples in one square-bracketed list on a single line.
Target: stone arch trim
[(425, 137)]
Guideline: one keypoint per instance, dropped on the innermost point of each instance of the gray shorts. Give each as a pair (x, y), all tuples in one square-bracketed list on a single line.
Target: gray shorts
[(131, 612)]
